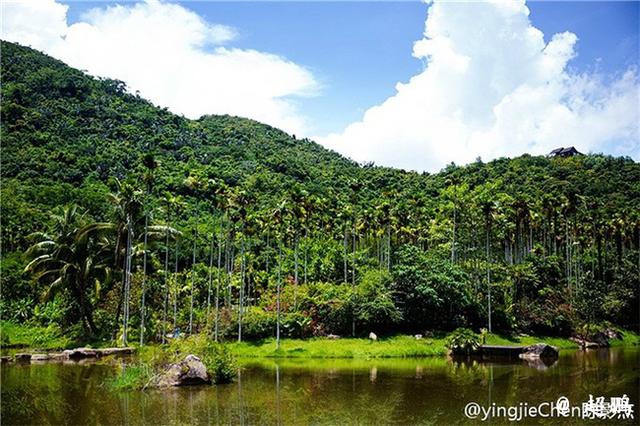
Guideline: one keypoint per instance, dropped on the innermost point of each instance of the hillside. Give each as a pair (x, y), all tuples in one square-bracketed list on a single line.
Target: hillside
[(555, 241)]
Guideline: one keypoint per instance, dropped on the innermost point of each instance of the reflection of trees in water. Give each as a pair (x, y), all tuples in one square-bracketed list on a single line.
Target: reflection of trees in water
[(424, 391)]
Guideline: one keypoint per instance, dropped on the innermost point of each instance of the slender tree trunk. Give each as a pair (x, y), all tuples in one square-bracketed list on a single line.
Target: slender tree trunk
[(488, 276), (218, 287), (127, 286), (278, 297), (144, 278), (241, 293), (306, 249), (193, 277), (353, 281), (453, 242), (175, 290), (295, 272), (210, 277), (166, 286), (388, 247), (345, 251)]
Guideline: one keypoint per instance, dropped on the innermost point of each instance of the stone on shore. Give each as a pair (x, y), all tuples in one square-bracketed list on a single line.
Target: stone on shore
[(6, 358), (80, 353), (189, 371), (372, 336), (598, 340), (539, 350), (333, 336), (116, 351), (22, 357), (40, 357)]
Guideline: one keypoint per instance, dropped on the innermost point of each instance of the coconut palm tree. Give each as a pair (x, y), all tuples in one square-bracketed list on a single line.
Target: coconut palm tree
[(72, 260)]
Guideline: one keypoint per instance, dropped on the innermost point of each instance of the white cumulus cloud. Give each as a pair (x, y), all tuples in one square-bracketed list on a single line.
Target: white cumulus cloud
[(168, 53), (492, 87)]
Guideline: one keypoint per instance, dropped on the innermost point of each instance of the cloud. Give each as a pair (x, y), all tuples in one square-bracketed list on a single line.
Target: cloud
[(168, 53), (492, 87)]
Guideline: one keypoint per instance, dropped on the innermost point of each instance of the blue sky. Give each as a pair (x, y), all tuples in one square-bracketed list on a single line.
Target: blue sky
[(359, 50), (404, 84)]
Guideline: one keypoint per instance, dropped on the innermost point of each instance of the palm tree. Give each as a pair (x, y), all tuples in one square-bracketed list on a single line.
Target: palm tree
[(71, 259), (150, 164)]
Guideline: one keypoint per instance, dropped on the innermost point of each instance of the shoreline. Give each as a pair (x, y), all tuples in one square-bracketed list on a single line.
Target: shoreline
[(30, 339)]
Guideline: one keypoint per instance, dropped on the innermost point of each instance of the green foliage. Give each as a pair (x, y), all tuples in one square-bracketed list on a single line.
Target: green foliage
[(26, 335), (373, 302), (221, 365), (433, 293), (132, 377), (556, 241), (463, 341)]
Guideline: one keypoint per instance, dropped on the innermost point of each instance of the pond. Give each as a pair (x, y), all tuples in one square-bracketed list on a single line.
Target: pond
[(417, 391)]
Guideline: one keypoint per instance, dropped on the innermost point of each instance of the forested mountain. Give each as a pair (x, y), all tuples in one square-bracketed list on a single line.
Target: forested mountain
[(119, 216)]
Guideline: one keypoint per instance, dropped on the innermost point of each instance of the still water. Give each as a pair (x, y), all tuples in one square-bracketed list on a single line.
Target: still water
[(420, 391)]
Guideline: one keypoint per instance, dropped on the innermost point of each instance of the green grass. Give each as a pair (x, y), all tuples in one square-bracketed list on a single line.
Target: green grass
[(391, 347), (558, 342), (135, 376), (33, 337), (629, 338)]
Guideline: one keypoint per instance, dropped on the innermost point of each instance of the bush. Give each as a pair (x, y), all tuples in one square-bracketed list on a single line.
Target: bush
[(373, 302), (220, 364), (463, 341), (258, 323)]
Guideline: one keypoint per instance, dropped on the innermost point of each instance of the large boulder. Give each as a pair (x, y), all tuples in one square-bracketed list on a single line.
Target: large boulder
[(190, 371), (598, 340), (539, 351)]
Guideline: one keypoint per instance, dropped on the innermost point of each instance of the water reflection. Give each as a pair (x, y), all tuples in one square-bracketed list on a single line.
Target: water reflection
[(424, 391)]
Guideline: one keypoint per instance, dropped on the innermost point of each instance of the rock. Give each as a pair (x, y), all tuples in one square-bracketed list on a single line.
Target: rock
[(333, 336), (116, 351), (539, 350), (80, 353), (373, 336), (57, 356), (190, 371), (610, 333), (418, 336), (22, 357), (6, 358), (40, 357), (598, 340)]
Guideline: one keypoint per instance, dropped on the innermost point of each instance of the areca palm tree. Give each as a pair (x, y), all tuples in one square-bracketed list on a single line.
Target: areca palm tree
[(150, 165)]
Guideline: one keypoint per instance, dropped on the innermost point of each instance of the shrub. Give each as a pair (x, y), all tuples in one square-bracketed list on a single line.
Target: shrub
[(220, 364), (463, 341)]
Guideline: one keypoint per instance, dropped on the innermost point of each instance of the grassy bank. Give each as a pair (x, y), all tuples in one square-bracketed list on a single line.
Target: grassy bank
[(33, 337), (400, 346), (390, 347)]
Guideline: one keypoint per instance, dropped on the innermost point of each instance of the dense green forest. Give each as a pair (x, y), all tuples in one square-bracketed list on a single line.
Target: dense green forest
[(119, 216)]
